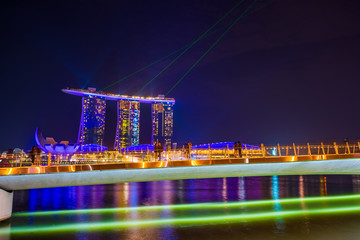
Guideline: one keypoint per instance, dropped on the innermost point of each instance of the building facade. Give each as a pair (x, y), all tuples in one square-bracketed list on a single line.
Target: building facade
[(162, 115), (128, 124), (92, 123)]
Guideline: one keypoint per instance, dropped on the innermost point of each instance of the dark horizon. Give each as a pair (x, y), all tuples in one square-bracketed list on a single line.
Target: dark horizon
[(288, 72)]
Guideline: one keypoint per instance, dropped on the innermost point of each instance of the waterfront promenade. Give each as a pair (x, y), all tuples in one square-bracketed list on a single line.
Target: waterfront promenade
[(201, 156)]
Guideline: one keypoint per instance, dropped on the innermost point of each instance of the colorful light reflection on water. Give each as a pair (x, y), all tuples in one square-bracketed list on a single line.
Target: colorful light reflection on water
[(211, 209)]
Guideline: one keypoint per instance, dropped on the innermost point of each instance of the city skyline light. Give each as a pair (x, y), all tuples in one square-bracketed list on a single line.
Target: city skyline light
[(206, 119), (268, 80)]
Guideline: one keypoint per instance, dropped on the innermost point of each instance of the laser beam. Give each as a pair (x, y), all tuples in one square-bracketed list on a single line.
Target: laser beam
[(190, 46), (219, 219), (211, 47), (178, 50), (210, 205)]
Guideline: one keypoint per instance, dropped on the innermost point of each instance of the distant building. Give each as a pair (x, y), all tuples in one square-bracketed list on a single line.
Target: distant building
[(49, 145), (92, 123), (162, 115), (128, 124)]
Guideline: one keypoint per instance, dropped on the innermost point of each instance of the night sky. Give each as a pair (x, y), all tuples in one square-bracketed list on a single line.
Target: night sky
[(288, 72)]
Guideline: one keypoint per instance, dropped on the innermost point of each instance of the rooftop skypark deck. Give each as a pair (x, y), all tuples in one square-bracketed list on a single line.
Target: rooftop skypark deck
[(117, 97)]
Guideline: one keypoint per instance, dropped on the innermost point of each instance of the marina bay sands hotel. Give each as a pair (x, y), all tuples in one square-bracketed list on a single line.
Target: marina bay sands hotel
[(92, 123)]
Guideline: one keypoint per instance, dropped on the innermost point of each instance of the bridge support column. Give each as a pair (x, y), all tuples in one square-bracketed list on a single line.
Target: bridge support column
[(6, 201)]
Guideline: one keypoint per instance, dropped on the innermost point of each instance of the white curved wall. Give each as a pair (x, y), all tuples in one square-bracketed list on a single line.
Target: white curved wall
[(6, 199)]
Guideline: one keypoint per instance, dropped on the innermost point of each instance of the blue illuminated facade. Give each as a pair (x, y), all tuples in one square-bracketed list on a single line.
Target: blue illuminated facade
[(223, 145), (139, 148), (49, 145), (92, 148)]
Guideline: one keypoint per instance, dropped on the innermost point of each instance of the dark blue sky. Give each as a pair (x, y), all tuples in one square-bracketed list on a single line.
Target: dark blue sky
[(286, 73)]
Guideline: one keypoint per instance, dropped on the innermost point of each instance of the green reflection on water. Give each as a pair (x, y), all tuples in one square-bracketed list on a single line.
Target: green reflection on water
[(96, 226), (211, 205)]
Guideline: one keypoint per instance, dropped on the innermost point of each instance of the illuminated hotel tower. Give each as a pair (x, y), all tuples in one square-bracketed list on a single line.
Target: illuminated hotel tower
[(92, 124), (128, 129), (162, 123)]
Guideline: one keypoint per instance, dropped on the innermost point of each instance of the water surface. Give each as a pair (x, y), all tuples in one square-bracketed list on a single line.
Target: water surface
[(119, 223)]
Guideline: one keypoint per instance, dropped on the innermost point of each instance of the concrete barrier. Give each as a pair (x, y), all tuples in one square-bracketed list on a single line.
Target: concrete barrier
[(6, 200)]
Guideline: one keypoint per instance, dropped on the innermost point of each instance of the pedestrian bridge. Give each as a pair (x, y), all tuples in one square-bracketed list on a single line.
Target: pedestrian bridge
[(19, 178)]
